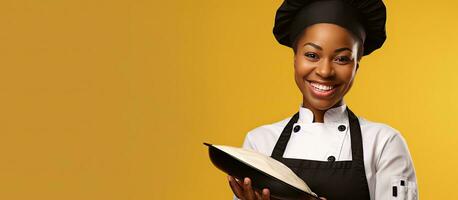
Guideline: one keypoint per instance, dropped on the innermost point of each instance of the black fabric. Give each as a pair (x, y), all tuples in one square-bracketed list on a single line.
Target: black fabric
[(330, 11), (337, 180), (364, 18)]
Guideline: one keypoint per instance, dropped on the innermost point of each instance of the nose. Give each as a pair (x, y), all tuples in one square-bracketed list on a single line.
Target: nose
[(325, 69)]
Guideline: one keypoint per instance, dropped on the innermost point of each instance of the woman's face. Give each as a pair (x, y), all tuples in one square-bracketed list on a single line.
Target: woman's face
[(325, 65)]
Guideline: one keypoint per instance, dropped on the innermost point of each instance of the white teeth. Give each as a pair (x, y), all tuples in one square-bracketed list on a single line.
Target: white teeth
[(322, 87)]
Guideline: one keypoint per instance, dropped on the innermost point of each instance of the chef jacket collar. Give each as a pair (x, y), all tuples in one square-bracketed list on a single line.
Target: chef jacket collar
[(332, 115)]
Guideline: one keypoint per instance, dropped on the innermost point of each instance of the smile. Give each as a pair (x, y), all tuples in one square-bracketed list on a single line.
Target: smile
[(321, 87), (322, 90)]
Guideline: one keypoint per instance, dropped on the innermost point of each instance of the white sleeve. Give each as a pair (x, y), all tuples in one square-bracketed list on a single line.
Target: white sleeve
[(246, 145), (395, 173)]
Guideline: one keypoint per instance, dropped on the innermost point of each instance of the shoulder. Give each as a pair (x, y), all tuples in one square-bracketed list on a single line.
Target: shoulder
[(269, 128), (377, 130), (379, 135), (382, 141), (264, 137)]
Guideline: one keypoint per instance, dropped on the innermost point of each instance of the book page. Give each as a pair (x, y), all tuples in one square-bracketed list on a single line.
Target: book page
[(266, 164)]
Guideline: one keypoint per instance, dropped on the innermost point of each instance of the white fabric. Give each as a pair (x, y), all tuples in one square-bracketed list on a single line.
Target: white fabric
[(387, 160)]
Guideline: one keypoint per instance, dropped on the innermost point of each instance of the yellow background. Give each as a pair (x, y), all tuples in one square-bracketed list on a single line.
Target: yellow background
[(113, 99)]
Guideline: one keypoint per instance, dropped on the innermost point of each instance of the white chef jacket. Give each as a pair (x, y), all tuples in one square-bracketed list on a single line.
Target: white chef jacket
[(387, 160)]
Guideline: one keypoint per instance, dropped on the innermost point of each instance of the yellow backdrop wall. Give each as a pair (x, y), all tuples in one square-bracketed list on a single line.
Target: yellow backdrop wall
[(113, 99)]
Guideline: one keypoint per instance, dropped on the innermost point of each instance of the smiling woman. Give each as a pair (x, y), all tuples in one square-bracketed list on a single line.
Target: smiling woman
[(340, 155)]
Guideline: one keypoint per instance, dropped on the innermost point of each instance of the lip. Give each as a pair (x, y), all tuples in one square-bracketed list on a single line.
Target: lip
[(322, 94)]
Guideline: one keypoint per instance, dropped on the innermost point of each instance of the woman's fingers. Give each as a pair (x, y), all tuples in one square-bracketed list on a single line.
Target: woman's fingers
[(265, 194), (236, 188), (322, 198), (249, 193), (243, 190), (258, 195), (238, 181)]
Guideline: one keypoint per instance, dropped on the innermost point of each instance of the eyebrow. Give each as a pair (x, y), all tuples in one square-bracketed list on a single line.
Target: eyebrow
[(313, 45), (342, 49), (320, 48)]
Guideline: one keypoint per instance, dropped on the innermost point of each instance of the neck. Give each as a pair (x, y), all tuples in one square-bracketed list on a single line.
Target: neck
[(318, 115)]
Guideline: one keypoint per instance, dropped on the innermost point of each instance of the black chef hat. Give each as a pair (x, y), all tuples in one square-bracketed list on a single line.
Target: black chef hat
[(364, 18)]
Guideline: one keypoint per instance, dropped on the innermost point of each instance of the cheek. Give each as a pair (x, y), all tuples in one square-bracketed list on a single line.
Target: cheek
[(301, 71), (347, 75), (301, 67), (297, 68), (299, 76)]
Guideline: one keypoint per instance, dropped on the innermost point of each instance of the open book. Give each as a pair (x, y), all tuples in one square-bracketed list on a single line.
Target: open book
[(264, 171)]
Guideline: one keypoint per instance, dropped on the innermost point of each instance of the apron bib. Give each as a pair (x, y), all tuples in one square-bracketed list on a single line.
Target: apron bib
[(334, 180)]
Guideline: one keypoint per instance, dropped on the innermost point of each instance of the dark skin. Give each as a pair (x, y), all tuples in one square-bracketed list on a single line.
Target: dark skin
[(326, 55), (325, 65)]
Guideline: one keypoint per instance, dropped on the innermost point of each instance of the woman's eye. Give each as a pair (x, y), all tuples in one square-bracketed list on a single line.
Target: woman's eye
[(312, 56), (342, 59)]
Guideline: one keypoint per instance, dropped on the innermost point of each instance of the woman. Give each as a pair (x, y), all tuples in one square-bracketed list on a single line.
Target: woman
[(339, 155)]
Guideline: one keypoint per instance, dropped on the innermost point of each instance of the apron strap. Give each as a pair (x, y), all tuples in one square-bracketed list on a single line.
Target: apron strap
[(356, 139), (280, 146)]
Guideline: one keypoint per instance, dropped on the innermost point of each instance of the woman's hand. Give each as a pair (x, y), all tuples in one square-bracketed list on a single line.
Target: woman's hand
[(244, 191)]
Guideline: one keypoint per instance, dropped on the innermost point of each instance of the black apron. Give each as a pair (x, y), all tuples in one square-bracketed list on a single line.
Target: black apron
[(334, 180)]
